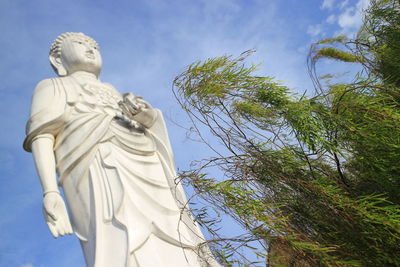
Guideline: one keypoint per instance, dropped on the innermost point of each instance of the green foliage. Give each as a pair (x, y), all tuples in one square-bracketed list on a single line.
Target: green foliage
[(333, 53), (314, 180), (379, 40), (340, 39)]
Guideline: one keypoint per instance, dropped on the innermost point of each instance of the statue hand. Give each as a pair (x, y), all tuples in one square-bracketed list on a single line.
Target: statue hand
[(147, 114), (130, 105), (56, 215), (138, 110)]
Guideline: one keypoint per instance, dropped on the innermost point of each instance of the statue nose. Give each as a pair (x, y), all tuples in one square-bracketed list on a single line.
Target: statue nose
[(89, 50), (89, 47)]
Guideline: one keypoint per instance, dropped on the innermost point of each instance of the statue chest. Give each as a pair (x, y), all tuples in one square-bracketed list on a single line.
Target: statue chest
[(97, 98), (93, 111)]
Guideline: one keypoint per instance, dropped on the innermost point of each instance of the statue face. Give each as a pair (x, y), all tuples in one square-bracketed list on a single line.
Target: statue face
[(80, 54)]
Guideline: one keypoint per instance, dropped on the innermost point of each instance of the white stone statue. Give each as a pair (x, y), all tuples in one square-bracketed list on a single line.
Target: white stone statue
[(115, 165)]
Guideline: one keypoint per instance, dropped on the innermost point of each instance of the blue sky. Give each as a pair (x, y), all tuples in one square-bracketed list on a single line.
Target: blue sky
[(144, 44)]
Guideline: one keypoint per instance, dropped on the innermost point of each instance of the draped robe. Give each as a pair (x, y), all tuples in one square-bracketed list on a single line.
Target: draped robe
[(118, 181)]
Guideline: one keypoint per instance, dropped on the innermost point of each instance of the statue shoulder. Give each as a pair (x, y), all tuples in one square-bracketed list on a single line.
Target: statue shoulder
[(48, 105), (54, 83), (46, 93), (43, 84)]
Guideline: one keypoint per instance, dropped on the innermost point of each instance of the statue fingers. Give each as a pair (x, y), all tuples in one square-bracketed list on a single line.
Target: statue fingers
[(134, 109), (52, 215), (69, 227), (143, 103), (128, 97), (61, 228), (52, 229), (128, 108), (66, 225), (125, 109), (63, 219), (49, 216)]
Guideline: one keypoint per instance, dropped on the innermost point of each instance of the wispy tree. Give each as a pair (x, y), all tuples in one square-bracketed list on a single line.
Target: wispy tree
[(315, 181)]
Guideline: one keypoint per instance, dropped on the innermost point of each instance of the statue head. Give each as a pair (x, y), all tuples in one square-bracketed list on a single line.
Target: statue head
[(72, 51)]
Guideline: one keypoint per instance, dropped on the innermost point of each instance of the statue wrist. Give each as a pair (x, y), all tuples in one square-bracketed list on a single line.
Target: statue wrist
[(51, 192)]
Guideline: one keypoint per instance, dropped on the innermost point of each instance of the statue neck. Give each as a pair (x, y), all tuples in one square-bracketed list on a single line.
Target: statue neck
[(84, 76)]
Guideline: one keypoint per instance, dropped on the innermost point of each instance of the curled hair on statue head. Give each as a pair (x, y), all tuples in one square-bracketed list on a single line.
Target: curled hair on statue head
[(55, 49)]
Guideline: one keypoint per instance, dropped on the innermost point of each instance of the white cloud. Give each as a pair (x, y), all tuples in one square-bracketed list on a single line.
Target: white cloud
[(363, 4), (351, 18), (27, 265), (343, 4), (327, 4), (331, 19), (314, 30)]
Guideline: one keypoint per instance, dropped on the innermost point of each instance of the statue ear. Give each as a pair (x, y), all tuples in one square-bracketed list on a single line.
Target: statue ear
[(57, 65)]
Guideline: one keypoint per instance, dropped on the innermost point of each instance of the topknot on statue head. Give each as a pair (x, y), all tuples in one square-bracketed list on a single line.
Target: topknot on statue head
[(55, 48)]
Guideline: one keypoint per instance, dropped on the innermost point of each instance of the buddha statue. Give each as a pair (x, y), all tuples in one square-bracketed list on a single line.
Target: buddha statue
[(111, 155)]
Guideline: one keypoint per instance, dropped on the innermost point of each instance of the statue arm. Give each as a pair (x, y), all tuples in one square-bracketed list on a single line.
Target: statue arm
[(43, 155), (54, 209), (48, 104), (40, 141)]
